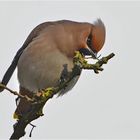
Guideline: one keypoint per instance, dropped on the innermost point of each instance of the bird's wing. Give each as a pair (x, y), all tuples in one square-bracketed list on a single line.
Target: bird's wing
[(29, 39)]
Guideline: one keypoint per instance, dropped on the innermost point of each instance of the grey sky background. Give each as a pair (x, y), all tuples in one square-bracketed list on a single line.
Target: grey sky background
[(104, 106)]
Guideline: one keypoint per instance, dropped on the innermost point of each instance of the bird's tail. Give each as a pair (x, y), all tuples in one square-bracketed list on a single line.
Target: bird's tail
[(11, 69), (23, 106)]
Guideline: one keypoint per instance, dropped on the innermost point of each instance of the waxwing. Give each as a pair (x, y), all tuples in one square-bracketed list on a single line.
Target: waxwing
[(47, 56)]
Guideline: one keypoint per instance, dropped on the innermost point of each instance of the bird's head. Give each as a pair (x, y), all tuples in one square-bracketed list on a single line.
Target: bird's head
[(96, 38)]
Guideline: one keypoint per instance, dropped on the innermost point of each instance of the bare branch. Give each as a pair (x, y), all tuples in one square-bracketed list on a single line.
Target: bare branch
[(16, 93)]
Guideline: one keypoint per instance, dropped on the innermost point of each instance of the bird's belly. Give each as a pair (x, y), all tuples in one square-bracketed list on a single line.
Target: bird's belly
[(36, 72)]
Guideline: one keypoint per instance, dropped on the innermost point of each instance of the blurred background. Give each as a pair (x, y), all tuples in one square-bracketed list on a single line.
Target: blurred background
[(103, 106)]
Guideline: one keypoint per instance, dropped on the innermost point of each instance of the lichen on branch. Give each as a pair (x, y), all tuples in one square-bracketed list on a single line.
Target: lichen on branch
[(39, 100)]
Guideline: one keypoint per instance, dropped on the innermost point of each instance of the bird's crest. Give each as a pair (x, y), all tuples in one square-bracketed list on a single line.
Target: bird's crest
[(99, 33)]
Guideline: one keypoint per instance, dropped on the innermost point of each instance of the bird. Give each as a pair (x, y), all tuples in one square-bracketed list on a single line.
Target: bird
[(46, 57)]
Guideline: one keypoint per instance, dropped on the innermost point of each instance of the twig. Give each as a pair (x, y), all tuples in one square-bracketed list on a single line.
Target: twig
[(16, 93)]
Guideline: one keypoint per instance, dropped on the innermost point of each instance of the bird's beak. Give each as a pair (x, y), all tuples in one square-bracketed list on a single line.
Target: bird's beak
[(93, 54)]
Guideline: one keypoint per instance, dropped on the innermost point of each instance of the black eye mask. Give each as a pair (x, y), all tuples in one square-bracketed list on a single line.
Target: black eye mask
[(89, 41), (89, 51)]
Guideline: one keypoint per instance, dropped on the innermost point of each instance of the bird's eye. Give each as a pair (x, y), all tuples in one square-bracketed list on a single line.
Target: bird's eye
[(88, 39), (89, 43)]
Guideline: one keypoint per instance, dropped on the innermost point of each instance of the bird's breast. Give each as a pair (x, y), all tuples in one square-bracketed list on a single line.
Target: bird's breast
[(41, 67)]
